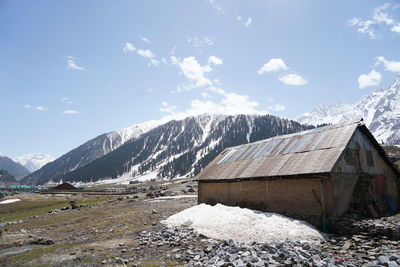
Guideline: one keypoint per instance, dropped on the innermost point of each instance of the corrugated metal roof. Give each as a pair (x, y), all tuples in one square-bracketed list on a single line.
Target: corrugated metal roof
[(309, 152)]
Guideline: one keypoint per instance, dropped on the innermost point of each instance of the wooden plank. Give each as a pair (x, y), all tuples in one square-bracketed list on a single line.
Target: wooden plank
[(372, 211)]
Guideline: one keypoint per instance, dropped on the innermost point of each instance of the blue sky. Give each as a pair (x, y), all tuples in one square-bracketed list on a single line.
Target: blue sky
[(72, 70)]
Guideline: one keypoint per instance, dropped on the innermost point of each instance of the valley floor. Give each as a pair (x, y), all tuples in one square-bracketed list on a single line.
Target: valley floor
[(126, 230), (104, 231)]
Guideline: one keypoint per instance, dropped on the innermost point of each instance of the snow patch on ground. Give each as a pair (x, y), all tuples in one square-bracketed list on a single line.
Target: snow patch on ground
[(243, 225), (122, 180), (8, 201), (170, 197)]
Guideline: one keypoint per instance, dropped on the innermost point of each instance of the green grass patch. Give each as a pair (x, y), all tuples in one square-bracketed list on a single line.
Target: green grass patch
[(32, 258), (155, 263), (398, 163), (25, 209)]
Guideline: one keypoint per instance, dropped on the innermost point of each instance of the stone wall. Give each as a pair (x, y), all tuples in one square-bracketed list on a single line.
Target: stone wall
[(297, 198)]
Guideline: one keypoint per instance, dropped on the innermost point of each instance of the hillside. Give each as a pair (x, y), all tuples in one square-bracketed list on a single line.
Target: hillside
[(87, 152), (6, 178), (178, 148), (13, 168)]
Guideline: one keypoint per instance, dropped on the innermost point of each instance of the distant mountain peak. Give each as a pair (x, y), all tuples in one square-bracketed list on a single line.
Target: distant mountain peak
[(34, 161), (380, 110)]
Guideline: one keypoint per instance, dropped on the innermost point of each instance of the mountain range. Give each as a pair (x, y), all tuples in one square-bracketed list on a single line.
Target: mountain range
[(166, 149), (380, 110), (34, 161)]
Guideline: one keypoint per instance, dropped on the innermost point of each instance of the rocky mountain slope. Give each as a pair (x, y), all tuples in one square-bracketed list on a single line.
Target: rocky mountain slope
[(6, 178), (12, 167), (89, 151), (174, 149), (34, 161), (380, 110)]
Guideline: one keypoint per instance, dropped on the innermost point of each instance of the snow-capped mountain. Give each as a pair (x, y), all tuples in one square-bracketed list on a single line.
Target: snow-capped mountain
[(34, 161), (91, 150), (380, 110), (179, 147), (12, 167)]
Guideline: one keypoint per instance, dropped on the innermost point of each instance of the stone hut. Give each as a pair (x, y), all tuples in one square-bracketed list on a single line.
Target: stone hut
[(315, 175)]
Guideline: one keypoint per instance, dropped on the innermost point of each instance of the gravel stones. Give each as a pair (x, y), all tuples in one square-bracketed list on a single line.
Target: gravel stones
[(184, 245), (210, 252), (351, 224)]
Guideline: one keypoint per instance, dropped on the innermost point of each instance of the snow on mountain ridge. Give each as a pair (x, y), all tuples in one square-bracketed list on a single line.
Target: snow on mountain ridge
[(380, 110), (34, 161), (332, 113)]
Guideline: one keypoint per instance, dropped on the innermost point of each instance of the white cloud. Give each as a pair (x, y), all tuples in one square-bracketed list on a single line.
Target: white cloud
[(274, 64), (393, 66), (216, 6), (146, 53), (381, 18), (38, 108), (364, 27), (277, 107), (231, 104), (164, 61), (41, 108), (215, 60), (70, 112), (228, 103), (205, 95), (71, 65), (198, 42), (396, 28), (293, 79), (184, 87), (150, 90), (174, 60), (167, 108), (146, 40), (66, 100), (193, 71), (371, 79), (154, 62), (246, 23), (129, 48)]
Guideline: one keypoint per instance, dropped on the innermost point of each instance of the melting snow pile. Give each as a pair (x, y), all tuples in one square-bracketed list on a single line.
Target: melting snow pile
[(8, 201), (243, 225)]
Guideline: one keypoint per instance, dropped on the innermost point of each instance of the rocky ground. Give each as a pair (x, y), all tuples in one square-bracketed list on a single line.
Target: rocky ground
[(183, 244), (126, 231)]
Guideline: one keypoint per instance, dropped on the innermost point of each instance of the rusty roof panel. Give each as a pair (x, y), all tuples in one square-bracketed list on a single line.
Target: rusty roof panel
[(309, 152)]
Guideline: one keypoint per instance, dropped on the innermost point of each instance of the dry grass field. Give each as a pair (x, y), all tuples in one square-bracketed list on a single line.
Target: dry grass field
[(102, 233)]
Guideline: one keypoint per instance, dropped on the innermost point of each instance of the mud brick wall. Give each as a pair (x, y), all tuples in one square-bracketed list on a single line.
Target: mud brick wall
[(291, 197)]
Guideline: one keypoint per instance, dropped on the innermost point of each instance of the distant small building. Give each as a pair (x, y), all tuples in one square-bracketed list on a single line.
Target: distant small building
[(315, 175), (65, 186)]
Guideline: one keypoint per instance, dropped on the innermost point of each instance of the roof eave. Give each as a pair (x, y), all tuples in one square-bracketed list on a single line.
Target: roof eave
[(322, 175)]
